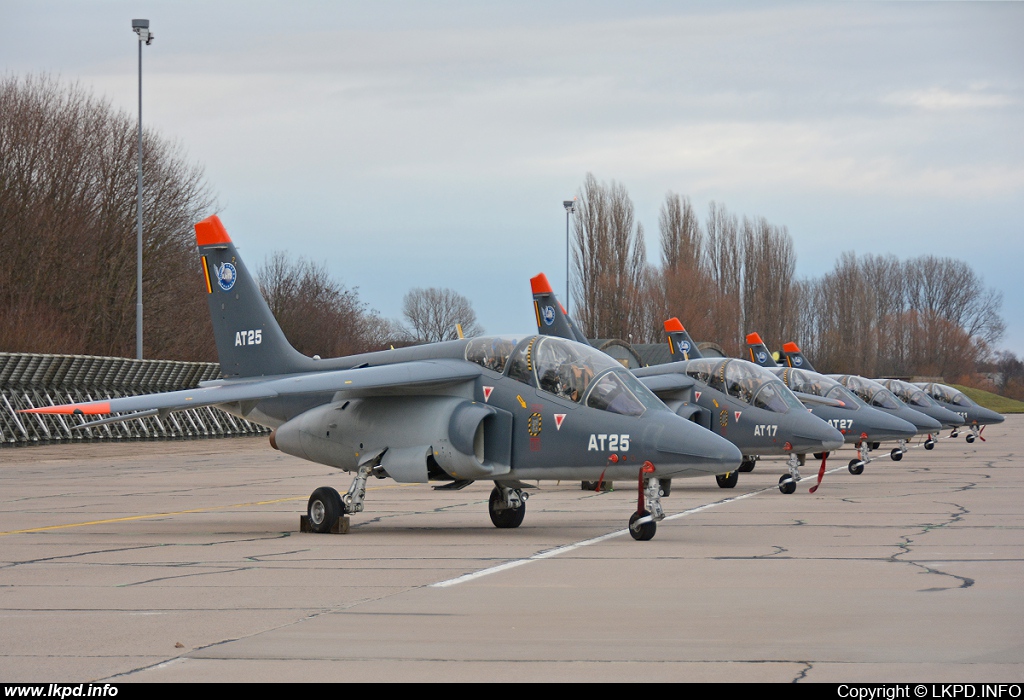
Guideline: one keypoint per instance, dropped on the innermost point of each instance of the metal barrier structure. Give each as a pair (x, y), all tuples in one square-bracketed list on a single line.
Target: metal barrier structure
[(31, 381)]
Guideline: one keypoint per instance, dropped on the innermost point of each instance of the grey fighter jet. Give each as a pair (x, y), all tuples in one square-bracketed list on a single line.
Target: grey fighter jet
[(499, 408), (906, 392), (870, 392), (827, 399), (732, 398), (956, 401)]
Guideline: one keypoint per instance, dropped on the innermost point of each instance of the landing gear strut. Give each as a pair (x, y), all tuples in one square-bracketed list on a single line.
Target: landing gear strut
[(787, 484), (644, 522), (863, 456)]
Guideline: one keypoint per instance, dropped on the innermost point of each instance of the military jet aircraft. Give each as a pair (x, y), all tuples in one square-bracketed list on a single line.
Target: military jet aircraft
[(732, 398), (869, 391), (957, 402), (483, 408), (906, 392)]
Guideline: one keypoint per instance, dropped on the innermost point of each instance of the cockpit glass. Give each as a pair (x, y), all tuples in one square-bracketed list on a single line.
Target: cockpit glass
[(774, 396), (611, 394), (702, 369), (560, 367), (908, 393), (491, 352), (949, 395), (809, 382), (841, 393), (744, 379), (883, 398)]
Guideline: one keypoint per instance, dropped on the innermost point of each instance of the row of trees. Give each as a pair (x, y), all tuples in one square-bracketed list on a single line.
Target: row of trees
[(68, 223), (871, 315)]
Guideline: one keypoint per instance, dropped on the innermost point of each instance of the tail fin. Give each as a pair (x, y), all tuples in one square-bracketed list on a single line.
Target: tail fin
[(794, 358), (759, 353), (680, 344), (250, 343), (551, 317)]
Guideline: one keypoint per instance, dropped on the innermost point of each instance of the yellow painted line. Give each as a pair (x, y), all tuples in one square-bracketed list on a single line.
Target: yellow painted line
[(150, 516)]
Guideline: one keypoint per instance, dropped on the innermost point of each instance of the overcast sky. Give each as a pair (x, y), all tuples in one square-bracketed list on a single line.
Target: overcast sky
[(418, 144)]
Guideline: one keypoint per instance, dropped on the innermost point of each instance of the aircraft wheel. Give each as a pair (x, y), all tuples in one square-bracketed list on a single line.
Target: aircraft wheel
[(856, 466), (896, 454), (875, 445), (786, 484), (821, 455), (507, 517), (727, 481), (929, 444), (955, 433), (323, 509), (666, 486), (970, 438), (747, 466), (588, 485), (644, 532)]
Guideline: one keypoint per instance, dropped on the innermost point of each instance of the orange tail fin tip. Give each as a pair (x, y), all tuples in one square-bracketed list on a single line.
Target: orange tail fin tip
[(673, 325), (540, 284), (754, 339), (790, 347), (210, 231)]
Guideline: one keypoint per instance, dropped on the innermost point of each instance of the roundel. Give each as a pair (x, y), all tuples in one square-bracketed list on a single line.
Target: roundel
[(797, 360), (548, 312), (684, 346), (226, 276), (762, 356)]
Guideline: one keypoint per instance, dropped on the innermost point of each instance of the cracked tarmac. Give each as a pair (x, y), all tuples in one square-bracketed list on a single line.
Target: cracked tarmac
[(111, 555)]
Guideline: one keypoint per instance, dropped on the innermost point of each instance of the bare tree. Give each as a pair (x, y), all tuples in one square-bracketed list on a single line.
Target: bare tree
[(67, 219), (433, 314), (609, 260), (317, 314)]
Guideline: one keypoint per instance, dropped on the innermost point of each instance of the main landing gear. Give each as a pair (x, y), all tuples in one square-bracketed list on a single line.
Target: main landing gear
[(507, 506), (787, 482), (747, 465), (728, 481), (644, 522)]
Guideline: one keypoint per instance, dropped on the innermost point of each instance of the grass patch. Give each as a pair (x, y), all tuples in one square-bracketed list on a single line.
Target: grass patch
[(995, 402)]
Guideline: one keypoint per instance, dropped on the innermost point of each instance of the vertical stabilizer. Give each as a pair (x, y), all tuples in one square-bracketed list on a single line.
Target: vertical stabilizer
[(551, 317), (758, 351), (792, 357), (250, 343), (680, 344)]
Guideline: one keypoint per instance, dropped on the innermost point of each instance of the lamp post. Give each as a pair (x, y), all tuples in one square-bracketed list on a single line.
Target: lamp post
[(140, 27), (570, 208)]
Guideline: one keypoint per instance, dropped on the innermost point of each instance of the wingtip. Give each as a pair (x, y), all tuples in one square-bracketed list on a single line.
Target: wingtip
[(540, 284), (89, 409), (674, 325), (210, 231)]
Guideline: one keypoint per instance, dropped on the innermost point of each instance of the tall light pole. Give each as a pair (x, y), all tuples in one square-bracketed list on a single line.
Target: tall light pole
[(140, 27), (570, 207)]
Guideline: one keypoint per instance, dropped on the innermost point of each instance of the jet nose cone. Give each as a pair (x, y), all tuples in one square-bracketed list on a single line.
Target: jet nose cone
[(923, 423), (989, 417), (811, 434), (884, 426), (688, 449)]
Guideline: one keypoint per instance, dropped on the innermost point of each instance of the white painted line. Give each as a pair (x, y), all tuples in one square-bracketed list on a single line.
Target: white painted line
[(584, 543)]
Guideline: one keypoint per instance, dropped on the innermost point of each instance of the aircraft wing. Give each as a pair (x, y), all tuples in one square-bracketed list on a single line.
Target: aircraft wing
[(667, 383), (820, 400), (401, 378)]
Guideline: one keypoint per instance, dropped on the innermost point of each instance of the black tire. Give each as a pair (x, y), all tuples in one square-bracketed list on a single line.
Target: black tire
[(896, 454), (856, 466), (929, 444), (644, 532), (666, 487), (727, 481), (787, 484), (970, 438), (875, 445), (746, 466), (588, 485), (323, 509), (506, 517), (821, 455)]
